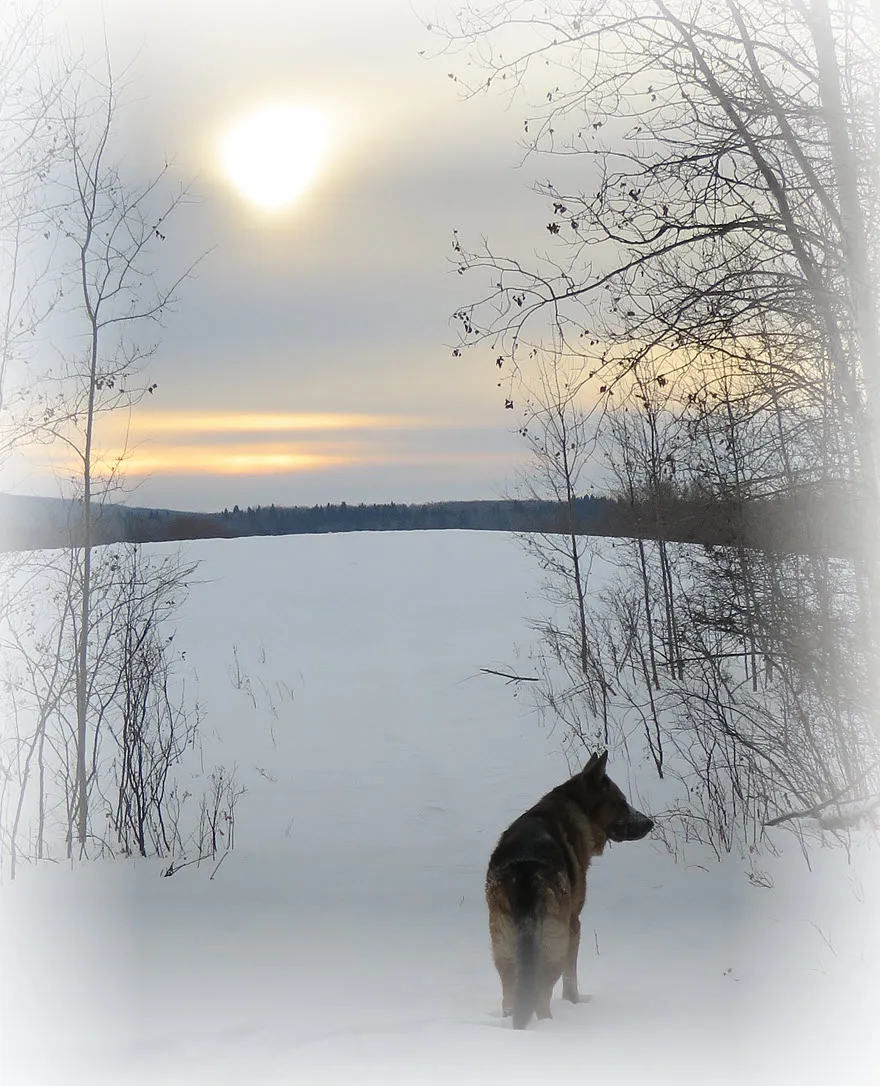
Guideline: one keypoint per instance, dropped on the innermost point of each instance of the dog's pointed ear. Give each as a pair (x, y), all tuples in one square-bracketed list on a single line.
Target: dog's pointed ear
[(594, 770)]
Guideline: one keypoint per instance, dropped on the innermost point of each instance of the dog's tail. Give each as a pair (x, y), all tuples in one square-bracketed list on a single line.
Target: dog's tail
[(525, 906)]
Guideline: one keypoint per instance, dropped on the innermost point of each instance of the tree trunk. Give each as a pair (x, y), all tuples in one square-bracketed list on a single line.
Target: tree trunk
[(82, 677), (853, 229)]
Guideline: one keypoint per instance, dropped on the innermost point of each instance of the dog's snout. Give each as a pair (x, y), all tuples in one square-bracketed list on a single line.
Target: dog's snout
[(632, 827), (640, 825)]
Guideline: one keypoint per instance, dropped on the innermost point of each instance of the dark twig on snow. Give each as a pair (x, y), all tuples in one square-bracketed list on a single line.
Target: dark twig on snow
[(511, 678)]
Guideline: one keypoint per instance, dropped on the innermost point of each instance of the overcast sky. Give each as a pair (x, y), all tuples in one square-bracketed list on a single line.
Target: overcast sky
[(310, 360)]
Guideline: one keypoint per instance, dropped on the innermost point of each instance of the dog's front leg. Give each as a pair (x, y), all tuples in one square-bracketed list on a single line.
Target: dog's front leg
[(569, 976)]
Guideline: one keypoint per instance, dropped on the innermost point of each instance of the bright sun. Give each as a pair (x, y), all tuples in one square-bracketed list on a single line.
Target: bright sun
[(272, 155)]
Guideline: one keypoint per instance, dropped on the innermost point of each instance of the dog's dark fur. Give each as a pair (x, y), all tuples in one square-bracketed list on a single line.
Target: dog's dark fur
[(536, 886)]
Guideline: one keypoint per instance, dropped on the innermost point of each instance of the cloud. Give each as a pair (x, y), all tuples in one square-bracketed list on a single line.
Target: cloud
[(233, 422)]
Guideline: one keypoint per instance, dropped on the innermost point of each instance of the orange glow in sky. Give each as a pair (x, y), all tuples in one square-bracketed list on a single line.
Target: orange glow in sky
[(176, 444), (231, 443), (172, 442), (227, 460), (153, 422)]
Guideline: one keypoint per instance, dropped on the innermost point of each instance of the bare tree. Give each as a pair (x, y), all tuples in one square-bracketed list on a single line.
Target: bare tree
[(32, 82), (152, 728), (37, 680), (558, 433), (753, 666), (144, 754), (90, 706), (713, 206), (111, 228), (711, 259)]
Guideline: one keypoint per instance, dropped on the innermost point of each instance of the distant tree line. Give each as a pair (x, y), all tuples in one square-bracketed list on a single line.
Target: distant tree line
[(806, 523)]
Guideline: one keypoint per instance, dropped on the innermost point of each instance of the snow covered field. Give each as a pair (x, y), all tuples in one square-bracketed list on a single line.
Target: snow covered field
[(345, 938)]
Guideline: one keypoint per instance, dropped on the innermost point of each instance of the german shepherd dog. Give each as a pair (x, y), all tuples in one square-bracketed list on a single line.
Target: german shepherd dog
[(536, 886)]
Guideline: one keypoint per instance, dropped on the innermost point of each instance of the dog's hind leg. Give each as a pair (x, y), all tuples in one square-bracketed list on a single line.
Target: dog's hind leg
[(503, 936), (569, 976), (549, 975), (543, 1008), (554, 950), (507, 972)]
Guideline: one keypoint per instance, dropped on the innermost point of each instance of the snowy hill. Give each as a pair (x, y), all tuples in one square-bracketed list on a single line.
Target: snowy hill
[(345, 938)]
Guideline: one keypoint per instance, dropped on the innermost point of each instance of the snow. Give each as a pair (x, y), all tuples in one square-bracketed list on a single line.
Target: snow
[(345, 938)]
